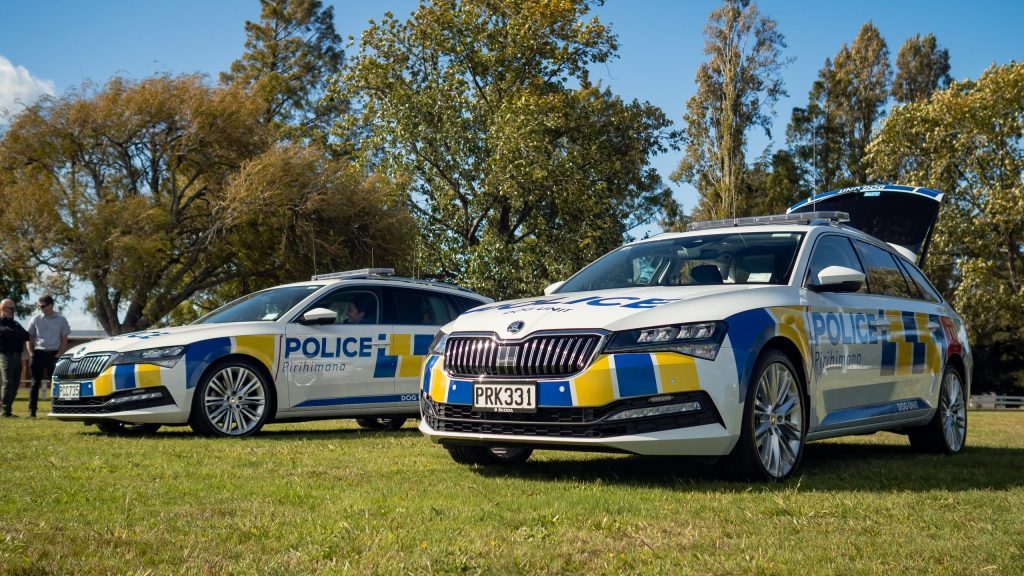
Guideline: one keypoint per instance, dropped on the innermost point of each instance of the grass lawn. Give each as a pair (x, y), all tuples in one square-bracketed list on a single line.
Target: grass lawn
[(326, 497)]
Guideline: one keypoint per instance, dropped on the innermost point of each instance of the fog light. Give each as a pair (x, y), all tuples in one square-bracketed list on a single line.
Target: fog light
[(656, 411)]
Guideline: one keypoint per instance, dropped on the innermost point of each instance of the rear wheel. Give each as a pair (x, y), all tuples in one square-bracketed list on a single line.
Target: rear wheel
[(946, 432), (126, 429), (381, 423), (231, 400), (771, 443), (488, 456)]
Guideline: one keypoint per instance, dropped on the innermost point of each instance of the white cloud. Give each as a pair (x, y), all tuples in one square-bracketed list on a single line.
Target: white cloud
[(19, 88)]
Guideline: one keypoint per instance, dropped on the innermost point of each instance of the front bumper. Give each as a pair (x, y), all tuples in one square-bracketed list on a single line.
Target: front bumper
[(575, 413), (153, 405)]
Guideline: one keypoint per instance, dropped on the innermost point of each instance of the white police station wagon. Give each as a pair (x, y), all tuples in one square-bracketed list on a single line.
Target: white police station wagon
[(743, 338), (344, 345)]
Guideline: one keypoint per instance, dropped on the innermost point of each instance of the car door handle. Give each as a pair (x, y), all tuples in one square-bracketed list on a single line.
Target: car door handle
[(879, 323), (380, 343)]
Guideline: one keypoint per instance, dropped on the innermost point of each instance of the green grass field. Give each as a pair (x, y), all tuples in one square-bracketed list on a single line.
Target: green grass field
[(326, 497)]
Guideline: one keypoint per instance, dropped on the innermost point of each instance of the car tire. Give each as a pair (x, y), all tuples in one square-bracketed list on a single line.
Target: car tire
[(774, 429), (946, 432), (233, 399), (126, 429), (381, 423), (489, 456)]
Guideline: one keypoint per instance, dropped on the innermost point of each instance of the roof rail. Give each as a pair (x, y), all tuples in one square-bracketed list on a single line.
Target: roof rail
[(800, 218), (361, 273), (385, 274)]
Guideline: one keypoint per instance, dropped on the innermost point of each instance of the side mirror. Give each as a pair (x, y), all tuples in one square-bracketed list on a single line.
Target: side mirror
[(319, 316), (838, 279), (552, 287)]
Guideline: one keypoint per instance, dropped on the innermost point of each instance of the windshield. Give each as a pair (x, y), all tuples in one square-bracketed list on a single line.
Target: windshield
[(266, 305), (723, 258)]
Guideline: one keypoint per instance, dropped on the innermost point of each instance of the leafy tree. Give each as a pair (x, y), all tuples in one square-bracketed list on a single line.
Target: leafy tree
[(921, 69), (847, 101), (774, 183), (290, 55), (736, 90), (294, 211), (967, 141), (517, 179), (121, 184)]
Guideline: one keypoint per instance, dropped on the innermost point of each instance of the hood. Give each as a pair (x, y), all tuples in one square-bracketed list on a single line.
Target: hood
[(176, 336), (901, 215), (615, 309)]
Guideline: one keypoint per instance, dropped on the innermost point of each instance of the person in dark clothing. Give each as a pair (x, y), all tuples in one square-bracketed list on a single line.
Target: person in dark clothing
[(12, 342)]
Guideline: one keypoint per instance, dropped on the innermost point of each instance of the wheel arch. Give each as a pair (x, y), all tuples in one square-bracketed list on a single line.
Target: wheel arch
[(956, 361), (255, 362)]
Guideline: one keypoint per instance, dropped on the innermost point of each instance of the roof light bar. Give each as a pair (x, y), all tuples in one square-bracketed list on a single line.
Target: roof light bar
[(801, 218), (361, 273)]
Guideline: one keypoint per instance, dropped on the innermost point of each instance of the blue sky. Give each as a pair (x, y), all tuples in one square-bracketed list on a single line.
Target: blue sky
[(53, 46)]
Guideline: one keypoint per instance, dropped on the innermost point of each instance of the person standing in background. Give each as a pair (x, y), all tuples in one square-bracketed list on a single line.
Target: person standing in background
[(12, 341), (48, 339)]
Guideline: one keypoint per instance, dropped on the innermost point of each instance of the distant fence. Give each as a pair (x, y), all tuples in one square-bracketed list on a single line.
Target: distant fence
[(995, 402)]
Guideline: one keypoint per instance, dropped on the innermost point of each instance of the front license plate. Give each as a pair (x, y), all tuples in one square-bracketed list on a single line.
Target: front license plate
[(505, 397), (69, 391)]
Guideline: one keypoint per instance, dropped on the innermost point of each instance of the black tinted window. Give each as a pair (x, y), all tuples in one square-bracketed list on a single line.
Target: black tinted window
[(463, 303), (832, 250), (421, 308), (923, 286), (884, 274), (352, 306)]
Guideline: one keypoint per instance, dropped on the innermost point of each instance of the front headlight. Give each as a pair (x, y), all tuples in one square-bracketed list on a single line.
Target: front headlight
[(437, 346), (700, 339), (166, 356)]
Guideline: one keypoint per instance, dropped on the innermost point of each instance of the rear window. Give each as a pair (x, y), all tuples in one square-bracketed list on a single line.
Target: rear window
[(928, 292), (884, 275), (421, 308)]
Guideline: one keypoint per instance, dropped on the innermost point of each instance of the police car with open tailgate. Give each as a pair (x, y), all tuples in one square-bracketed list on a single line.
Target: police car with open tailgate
[(344, 345), (743, 338)]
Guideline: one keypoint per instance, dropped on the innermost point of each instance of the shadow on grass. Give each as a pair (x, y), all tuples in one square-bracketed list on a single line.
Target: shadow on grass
[(826, 466), (272, 433)]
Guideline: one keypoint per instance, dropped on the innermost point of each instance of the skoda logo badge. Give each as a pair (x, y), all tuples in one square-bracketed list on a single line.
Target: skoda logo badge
[(515, 326)]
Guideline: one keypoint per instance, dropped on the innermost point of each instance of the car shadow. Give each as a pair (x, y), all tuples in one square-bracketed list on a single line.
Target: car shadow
[(826, 466), (273, 434)]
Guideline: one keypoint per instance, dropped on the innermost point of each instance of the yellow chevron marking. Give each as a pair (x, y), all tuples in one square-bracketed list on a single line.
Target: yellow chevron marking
[(678, 373), (147, 375), (594, 387)]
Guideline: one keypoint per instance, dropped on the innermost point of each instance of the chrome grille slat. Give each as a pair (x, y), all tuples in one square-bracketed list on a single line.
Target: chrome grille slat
[(80, 369), (545, 355)]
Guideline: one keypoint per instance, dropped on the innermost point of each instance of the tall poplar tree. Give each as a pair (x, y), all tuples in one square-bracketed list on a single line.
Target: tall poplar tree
[(845, 105), (922, 67), (737, 88)]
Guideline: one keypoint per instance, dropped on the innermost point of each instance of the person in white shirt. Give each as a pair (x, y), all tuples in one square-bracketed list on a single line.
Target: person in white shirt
[(48, 339)]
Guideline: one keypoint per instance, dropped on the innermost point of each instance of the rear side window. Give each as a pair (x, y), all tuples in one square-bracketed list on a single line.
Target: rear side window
[(884, 275), (833, 250), (923, 285), (421, 308), (462, 303)]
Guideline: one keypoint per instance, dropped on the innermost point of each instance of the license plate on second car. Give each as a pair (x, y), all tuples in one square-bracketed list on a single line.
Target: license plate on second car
[(505, 397), (69, 391)]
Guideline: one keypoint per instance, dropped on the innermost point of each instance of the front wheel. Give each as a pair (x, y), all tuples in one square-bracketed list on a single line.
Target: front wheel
[(488, 456), (771, 443), (946, 432), (231, 400), (126, 428)]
